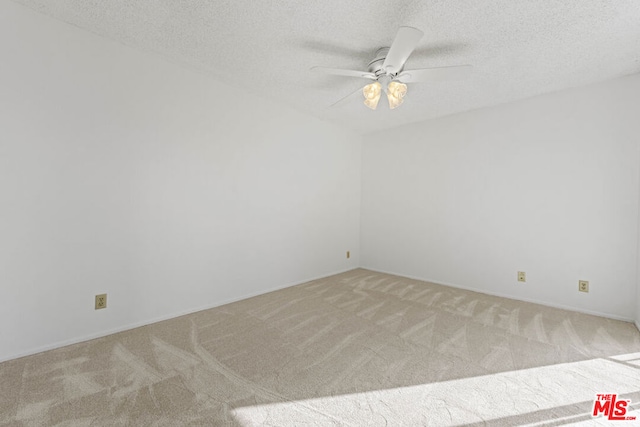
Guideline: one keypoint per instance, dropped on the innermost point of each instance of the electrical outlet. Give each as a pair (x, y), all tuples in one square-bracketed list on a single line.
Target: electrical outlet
[(348, 254), (522, 276), (101, 301), (583, 286)]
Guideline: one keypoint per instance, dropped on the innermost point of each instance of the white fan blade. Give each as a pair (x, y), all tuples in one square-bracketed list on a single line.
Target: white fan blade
[(343, 100), (456, 72), (405, 42), (346, 73)]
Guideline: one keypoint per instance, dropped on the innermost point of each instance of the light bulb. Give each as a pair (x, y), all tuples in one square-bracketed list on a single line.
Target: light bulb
[(371, 94)]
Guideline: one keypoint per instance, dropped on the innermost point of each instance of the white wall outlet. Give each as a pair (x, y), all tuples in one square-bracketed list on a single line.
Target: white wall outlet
[(522, 276), (583, 286)]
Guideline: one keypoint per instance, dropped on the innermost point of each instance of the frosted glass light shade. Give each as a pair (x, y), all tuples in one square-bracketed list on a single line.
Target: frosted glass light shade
[(395, 94), (371, 94)]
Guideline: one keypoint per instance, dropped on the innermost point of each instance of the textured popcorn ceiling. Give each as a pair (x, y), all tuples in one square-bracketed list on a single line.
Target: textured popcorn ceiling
[(519, 48)]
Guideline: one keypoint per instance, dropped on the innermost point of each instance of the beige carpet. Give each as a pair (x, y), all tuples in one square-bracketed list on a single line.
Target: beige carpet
[(359, 348)]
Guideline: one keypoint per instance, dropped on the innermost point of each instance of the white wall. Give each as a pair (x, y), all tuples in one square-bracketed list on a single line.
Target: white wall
[(124, 174), (548, 186), (637, 320)]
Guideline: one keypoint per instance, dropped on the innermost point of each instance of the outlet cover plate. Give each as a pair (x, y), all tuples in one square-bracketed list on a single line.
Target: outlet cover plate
[(101, 301), (583, 286), (522, 276)]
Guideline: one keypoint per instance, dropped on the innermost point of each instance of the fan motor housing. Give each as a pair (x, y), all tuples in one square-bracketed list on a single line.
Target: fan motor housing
[(375, 66)]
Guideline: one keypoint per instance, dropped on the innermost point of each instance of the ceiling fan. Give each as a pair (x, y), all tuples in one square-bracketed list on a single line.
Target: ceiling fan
[(387, 70)]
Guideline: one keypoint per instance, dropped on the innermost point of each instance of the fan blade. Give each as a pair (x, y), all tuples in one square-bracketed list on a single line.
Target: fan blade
[(405, 42), (346, 73), (343, 100), (455, 72)]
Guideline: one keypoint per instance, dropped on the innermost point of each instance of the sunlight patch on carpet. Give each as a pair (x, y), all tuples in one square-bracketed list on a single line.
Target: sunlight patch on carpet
[(526, 396)]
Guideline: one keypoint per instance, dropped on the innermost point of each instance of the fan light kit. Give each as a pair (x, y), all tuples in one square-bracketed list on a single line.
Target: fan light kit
[(395, 94), (387, 70)]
